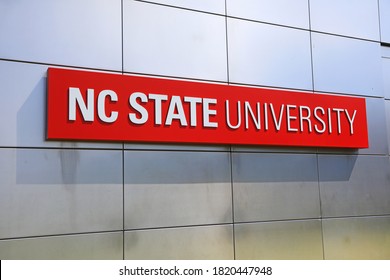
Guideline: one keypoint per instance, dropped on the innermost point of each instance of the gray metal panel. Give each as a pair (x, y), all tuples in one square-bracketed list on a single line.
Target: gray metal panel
[(173, 42), (204, 243), (386, 77), (274, 149), (273, 186), (78, 33), (354, 185), (387, 104), (23, 112), (285, 12), (102, 246), (176, 188), (286, 240), (176, 147), (357, 238), (344, 17), (384, 14), (376, 121), (259, 55), (345, 65), (385, 51), (213, 6), (45, 192)]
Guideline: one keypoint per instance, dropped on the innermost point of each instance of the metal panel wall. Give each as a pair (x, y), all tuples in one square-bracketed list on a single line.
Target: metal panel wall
[(357, 238), (206, 242), (272, 187), (89, 200), (173, 42), (354, 185), (258, 55), (384, 15), (288, 240), (281, 12), (213, 6), (345, 65), (387, 104), (46, 192), (176, 189), (355, 19), (78, 33), (107, 246), (386, 75)]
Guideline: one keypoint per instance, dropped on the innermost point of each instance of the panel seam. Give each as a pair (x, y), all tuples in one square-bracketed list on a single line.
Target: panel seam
[(230, 147), (317, 153), (123, 149)]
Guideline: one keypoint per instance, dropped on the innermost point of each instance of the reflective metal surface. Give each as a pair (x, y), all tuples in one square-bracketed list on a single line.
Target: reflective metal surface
[(203, 243), (102, 246), (345, 65), (385, 51), (354, 185), (44, 192), (284, 12), (90, 200), (386, 75), (289, 240), (176, 188), (258, 55), (176, 147), (275, 149), (173, 42), (273, 186), (213, 6), (376, 119), (364, 238), (387, 104), (78, 33), (345, 18), (23, 112), (384, 14)]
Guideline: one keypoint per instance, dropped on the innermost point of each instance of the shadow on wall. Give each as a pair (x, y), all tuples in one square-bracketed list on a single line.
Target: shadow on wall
[(31, 117), (250, 168), (67, 166), (56, 166), (40, 166)]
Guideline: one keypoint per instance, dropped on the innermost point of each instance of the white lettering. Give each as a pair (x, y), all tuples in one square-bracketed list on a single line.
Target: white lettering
[(319, 119), (207, 112), (338, 119), (101, 108), (351, 120), (87, 111), (277, 122), (238, 115), (248, 108), (265, 117), (176, 105), (305, 118), (193, 101), (158, 98), (289, 117), (139, 108)]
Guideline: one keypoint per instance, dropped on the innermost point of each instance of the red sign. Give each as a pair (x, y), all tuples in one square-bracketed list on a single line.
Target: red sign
[(114, 107)]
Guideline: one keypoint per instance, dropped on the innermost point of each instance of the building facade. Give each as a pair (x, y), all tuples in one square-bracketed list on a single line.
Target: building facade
[(107, 200)]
